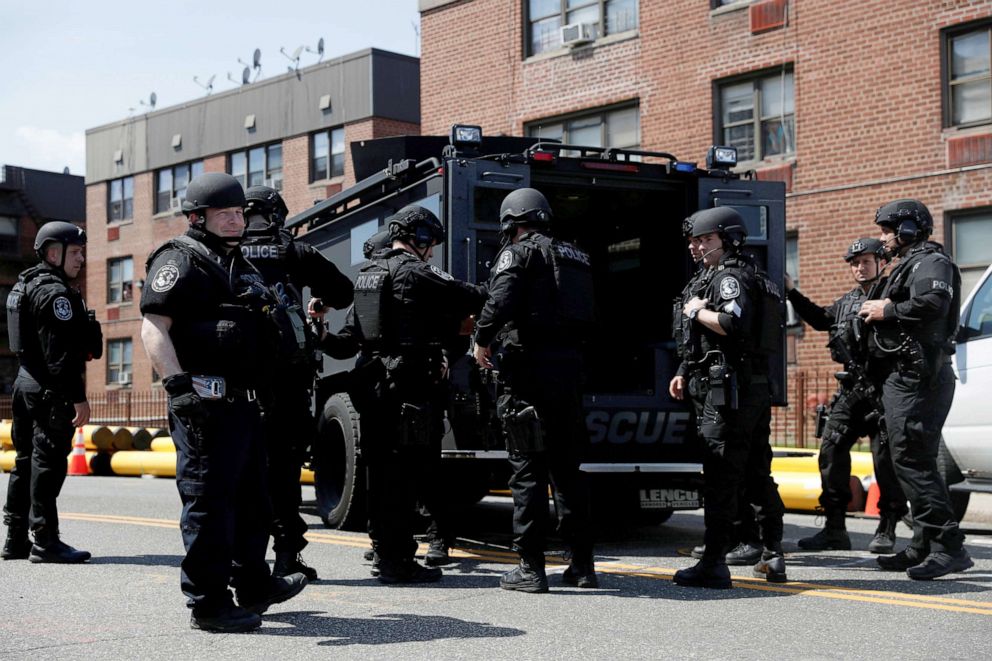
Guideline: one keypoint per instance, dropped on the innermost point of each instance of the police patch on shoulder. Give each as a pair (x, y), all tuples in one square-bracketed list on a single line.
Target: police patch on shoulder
[(505, 260), (62, 308), (730, 288), (442, 274), (165, 279)]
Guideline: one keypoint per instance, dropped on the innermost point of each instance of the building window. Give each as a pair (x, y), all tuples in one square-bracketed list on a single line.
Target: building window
[(121, 206), (757, 115), (968, 74), (327, 154), (545, 19), (258, 166), (8, 236), (618, 128), (120, 279), (971, 241), (119, 354), (170, 184)]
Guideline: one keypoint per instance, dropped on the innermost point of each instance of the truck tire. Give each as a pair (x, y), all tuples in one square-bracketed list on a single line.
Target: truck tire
[(339, 477), (952, 475)]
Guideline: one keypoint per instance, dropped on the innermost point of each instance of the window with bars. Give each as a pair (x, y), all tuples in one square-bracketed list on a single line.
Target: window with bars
[(120, 279), (971, 245), (120, 205), (258, 166), (545, 19), (119, 361), (757, 115), (9, 236), (618, 128), (170, 184), (968, 76), (327, 154)]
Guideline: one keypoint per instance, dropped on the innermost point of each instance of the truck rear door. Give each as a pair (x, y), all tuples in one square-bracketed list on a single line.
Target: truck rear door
[(762, 204)]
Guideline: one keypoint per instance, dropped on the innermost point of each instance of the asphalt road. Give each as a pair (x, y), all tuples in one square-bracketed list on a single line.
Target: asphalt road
[(126, 602)]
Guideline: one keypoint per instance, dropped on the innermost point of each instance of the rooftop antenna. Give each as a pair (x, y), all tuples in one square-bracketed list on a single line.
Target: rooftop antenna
[(416, 37), (152, 100), (209, 86), (256, 64), (294, 58), (319, 51)]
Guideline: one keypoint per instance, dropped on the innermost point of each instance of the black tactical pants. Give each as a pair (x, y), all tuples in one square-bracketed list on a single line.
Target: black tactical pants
[(915, 411), (847, 423), (403, 463), (736, 460), (226, 516), (289, 428), (42, 435), (550, 382)]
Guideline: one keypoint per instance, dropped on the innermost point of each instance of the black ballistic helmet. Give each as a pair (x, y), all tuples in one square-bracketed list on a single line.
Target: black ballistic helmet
[(910, 219), (266, 201), (524, 206), (415, 225), (865, 246), (213, 190), (724, 221), (375, 243), (58, 231)]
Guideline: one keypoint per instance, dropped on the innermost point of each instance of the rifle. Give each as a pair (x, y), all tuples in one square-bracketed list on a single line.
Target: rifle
[(855, 377)]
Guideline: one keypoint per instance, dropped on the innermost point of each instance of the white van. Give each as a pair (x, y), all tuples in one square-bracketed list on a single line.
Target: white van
[(968, 430)]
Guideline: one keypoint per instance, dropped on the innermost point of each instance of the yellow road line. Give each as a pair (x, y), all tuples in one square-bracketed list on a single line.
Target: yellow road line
[(826, 591)]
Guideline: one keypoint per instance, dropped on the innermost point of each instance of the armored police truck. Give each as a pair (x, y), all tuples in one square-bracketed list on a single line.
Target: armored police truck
[(625, 208)]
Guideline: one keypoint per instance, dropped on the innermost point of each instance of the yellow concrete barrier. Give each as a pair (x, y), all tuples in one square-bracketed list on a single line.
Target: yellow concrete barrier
[(162, 444), (102, 438), (123, 438), (141, 438), (5, 440), (139, 462)]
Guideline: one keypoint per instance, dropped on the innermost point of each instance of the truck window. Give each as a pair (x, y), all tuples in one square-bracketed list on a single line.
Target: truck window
[(978, 318)]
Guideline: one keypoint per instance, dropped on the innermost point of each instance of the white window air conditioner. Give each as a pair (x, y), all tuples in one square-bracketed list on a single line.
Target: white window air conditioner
[(123, 379), (577, 34), (175, 204)]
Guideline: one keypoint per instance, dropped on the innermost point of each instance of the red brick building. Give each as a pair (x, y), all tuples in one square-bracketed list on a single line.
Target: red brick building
[(291, 132), (851, 103)]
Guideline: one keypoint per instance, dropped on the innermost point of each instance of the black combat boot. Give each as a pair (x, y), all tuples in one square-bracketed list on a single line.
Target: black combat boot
[(771, 567), (833, 537), (528, 576), (941, 563), (707, 573), (17, 546), (49, 548), (278, 590), (903, 560), (437, 553), (581, 571), (288, 563), (227, 619), (884, 540), (745, 553), (406, 570)]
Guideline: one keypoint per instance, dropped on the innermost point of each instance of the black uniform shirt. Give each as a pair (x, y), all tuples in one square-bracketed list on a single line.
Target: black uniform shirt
[(55, 348), (733, 294)]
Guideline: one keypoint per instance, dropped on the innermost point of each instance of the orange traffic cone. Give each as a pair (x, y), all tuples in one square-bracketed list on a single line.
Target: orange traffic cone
[(871, 503), (77, 460)]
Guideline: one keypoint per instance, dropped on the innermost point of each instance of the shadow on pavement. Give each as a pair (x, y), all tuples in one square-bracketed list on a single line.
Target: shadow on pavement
[(381, 629), (148, 560)]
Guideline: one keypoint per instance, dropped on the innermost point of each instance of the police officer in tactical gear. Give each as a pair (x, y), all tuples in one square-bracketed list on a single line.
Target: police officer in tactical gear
[(287, 422), (913, 320), (539, 312), (53, 336), (206, 327), (855, 409), (725, 374), (401, 318)]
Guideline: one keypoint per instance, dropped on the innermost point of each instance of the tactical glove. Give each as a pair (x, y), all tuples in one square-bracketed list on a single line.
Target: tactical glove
[(183, 400)]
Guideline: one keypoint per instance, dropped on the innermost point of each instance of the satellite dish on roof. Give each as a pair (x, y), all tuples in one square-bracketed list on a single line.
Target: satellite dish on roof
[(256, 59), (296, 53), (319, 51), (65, 170), (209, 86), (245, 76), (153, 99)]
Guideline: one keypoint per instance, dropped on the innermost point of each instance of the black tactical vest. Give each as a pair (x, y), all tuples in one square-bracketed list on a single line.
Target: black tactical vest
[(21, 331), (561, 299)]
